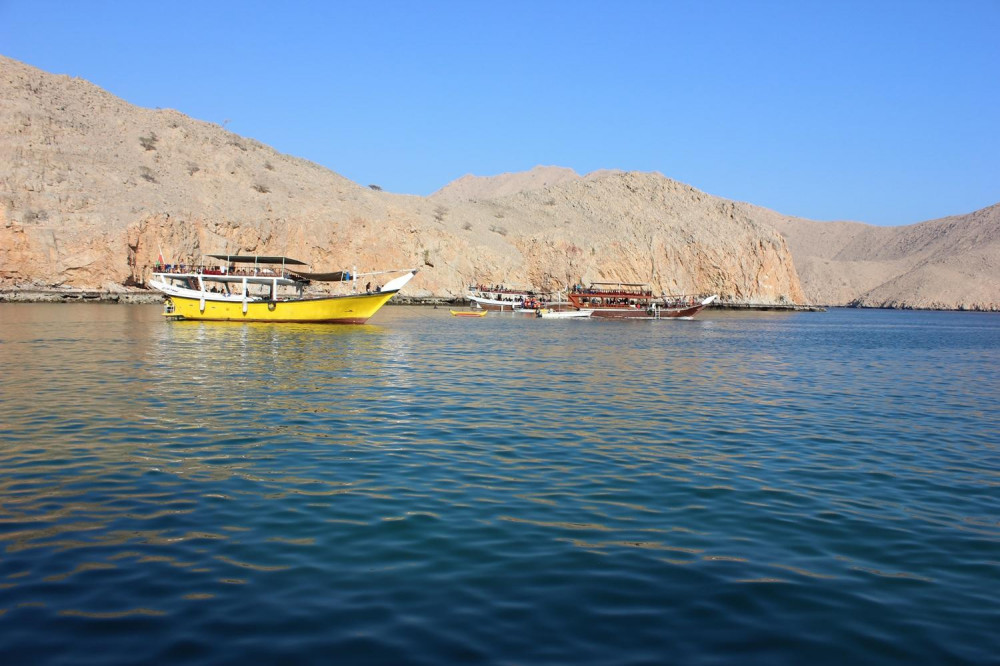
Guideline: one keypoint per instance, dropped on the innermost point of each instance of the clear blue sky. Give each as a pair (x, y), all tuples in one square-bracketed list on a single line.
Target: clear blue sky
[(886, 112)]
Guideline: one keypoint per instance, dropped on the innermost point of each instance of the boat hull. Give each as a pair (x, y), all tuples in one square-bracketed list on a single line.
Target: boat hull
[(350, 309), (659, 313), (493, 305)]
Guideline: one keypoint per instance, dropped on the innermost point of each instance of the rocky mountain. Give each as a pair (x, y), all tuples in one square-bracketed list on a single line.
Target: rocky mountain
[(93, 188), (473, 188), (951, 263)]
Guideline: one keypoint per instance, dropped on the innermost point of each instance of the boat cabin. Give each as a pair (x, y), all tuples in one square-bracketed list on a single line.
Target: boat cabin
[(612, 295)]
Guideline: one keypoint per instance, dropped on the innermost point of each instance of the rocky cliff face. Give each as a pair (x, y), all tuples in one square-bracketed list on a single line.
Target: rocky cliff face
[(95, 188), (629, 227)]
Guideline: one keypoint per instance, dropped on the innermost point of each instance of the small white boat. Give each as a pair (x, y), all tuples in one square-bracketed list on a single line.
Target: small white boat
[(545, 313), (521, 300), (500, 298)]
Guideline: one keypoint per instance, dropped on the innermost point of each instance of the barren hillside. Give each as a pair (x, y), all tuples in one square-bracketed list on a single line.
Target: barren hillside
[(951, 263), (473, 188), (94, 188)]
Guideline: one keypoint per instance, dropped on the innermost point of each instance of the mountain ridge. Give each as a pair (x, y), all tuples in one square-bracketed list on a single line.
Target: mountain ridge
[(947, 263), (97, 187)]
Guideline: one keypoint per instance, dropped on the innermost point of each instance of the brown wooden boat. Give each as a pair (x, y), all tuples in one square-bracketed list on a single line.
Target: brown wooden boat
[(624, 300)]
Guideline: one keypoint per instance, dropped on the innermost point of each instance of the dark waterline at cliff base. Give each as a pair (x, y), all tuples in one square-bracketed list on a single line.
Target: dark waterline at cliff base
[(778, 488), (144, 297)]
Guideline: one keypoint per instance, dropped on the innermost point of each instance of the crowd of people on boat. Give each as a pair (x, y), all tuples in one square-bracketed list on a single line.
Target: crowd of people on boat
[(256, 271), (496, 289), (632, 292), (615, 302), (521, 301)]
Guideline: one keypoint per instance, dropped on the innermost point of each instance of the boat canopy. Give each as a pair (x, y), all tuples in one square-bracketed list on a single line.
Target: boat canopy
[(257, 259), (618, 284), (337, 276)]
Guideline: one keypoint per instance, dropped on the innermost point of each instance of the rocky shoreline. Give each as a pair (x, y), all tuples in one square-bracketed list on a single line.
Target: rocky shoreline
[(148, 296), (137, 296), (141, 296)]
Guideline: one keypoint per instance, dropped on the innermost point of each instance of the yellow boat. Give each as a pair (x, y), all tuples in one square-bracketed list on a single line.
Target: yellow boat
[(469, 313), (269, 289)]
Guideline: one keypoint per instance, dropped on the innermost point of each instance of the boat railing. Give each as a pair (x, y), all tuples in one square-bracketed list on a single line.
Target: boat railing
[(678, 300), (612, 291), (615, 302)]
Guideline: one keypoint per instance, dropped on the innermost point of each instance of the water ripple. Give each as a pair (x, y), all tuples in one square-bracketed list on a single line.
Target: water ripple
[(767, 488)]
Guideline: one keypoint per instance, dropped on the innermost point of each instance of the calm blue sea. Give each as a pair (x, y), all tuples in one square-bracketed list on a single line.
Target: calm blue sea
[(807, 488)]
